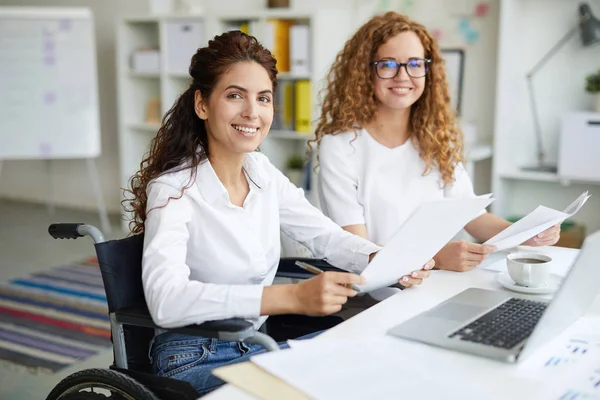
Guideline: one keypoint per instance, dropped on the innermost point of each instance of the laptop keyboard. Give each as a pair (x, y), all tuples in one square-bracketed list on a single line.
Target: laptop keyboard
[(505, 326)]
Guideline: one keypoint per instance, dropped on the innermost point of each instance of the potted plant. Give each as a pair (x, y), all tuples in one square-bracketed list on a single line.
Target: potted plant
[(592, 85), (294, 169)]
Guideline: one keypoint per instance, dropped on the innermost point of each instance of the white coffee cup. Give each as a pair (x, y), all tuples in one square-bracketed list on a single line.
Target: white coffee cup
[(529, 269)]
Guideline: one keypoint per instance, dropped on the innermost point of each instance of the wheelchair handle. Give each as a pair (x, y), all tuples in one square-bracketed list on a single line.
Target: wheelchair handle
[(74, 231)]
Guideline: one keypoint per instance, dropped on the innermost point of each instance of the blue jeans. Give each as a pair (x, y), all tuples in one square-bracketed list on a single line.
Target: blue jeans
[(192, 358)]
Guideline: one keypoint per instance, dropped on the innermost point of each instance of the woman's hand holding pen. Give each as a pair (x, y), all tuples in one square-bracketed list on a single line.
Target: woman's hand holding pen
[(325, 293)]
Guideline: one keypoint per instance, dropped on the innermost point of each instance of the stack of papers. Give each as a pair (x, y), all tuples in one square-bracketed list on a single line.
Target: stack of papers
[(373, 368), (533, 223)]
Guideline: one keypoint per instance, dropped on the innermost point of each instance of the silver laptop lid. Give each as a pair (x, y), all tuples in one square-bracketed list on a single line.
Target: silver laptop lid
[(578, 291)]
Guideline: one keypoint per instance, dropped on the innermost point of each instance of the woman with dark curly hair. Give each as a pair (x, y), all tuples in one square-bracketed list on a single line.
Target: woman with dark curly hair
[(389, 140), (212, 209)]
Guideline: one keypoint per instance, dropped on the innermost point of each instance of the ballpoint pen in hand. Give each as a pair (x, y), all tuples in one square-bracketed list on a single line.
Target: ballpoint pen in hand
[(316, 270), (310, 268)]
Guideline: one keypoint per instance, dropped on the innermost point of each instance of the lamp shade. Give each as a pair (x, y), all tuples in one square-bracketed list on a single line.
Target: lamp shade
[(589, 26)]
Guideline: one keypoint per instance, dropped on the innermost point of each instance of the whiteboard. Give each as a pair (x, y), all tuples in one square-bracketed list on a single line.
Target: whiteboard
[(48, 84)]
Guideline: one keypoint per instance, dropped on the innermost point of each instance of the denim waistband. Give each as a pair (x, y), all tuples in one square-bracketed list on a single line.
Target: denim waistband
[(174, 339)]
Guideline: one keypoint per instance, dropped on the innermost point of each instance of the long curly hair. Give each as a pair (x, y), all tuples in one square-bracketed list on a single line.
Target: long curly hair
[(349, 102), (182, 140)]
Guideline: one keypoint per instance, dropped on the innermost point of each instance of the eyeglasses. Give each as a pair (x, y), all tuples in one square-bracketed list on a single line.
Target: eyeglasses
[(388, 69)]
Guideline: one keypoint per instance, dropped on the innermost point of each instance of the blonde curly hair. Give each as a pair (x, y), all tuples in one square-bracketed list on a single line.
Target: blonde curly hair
[(432, 120)]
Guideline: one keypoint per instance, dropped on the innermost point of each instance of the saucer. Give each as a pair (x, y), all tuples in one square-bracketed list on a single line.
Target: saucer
[(554, 282)]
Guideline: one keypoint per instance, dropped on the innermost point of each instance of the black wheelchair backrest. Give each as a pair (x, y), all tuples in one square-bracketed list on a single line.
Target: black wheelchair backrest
[(121, 267)]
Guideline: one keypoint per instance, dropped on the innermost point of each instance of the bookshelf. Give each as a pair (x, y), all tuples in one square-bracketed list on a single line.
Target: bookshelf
[(137, 87), (163, 82)]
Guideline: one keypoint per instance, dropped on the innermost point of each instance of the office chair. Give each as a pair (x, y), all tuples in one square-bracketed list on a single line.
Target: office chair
[(132, 328)]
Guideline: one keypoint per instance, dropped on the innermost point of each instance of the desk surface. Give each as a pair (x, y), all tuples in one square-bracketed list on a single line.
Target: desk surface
[(440, 286)]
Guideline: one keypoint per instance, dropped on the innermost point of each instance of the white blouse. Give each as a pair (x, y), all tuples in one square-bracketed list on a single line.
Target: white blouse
[(207, 259), (362, 181)]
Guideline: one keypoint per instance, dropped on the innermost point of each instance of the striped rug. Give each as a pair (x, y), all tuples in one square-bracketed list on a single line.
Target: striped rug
[(55, 318)]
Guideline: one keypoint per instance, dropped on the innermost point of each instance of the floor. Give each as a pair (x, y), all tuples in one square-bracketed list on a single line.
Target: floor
[(26, 247)]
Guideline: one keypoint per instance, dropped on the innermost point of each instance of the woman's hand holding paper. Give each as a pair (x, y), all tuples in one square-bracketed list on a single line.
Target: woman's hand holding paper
[(416, 277), (462, 256), (547, 238)]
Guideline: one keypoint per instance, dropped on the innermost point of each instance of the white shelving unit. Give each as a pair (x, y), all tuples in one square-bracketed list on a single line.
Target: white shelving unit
[(135, 89), (558, 89)]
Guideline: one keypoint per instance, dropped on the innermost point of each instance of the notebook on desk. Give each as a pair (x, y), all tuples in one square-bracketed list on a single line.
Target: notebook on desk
[(499, 325), (258, 382)]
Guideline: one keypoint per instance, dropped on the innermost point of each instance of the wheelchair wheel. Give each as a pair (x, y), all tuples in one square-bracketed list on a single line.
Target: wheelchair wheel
[(100, 384), (84, 396)]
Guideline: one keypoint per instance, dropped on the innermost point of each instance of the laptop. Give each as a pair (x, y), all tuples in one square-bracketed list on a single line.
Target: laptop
[(506, 326)]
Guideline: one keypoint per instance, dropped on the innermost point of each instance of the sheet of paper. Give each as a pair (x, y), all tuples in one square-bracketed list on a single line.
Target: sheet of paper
[(533, 223), (572, 208), (495, 261), (387, 368), (567, 367), (424, 233)]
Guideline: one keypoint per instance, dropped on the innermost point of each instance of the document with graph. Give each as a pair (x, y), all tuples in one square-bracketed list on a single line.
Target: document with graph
[(569, 366), (535, 222)]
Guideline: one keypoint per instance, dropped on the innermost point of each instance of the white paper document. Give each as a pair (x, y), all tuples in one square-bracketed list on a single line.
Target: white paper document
[(424, 233), (495, 261), (533, 223), (567, 367), (383, 368)]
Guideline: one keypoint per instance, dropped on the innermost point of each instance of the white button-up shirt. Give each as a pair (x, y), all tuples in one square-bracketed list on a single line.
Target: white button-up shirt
[(207, 259)]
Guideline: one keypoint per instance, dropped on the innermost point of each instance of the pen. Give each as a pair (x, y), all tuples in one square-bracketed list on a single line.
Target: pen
[(316, 270), (310, 268)]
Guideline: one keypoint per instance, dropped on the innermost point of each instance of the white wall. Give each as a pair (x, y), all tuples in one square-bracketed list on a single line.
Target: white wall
[(28, 180)]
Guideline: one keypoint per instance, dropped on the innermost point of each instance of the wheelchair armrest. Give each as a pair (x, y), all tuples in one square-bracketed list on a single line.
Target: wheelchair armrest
[(233, 329), (288, 269)]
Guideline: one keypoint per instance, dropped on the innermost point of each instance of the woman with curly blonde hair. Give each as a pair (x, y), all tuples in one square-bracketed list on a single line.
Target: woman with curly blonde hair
[(389, 140)]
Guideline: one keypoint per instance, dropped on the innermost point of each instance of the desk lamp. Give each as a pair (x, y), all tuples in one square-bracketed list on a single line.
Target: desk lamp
[(589, 27)]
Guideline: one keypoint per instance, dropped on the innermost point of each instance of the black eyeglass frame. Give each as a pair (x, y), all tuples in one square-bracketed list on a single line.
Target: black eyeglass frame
[(427, 61)]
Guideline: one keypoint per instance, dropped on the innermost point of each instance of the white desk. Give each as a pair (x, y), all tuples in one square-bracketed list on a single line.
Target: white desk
[(440, 286)]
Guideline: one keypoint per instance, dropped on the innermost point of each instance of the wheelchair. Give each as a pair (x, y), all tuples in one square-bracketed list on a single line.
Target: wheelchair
[(130, 376)]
